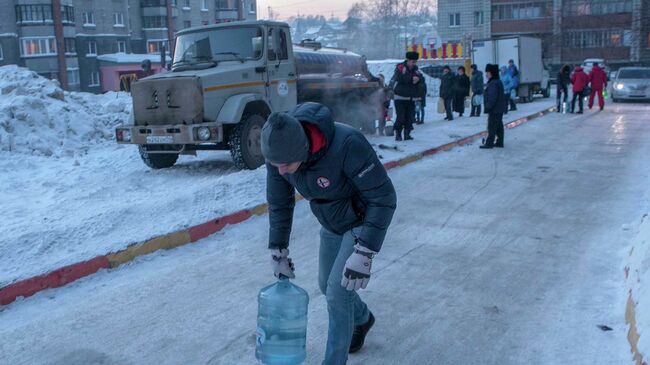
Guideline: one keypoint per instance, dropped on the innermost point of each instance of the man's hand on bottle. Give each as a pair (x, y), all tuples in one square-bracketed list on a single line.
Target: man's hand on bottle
[(281, 263)]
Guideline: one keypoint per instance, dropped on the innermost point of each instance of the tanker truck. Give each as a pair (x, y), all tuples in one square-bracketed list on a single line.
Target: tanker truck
[(227, 78)]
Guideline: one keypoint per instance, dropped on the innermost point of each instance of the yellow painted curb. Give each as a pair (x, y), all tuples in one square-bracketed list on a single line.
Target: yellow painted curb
[(632, 334), (409, 159), (166, 242), (260, 209)]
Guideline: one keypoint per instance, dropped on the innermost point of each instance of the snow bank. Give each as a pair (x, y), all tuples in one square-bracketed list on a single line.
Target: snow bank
[(37, 117), (638, 275)]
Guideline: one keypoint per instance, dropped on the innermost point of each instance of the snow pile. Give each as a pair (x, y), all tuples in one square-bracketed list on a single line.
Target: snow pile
[(638, 277), (37, 117), (387, 68)]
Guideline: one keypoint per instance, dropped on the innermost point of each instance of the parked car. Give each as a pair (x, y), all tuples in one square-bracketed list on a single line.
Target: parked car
[(589, 63), (631, 83)]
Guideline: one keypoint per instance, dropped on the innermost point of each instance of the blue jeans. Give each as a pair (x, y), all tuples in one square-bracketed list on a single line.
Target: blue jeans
[(346, 309)]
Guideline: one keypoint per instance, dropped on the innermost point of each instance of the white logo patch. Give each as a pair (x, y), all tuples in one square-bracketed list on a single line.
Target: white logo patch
[(323, 182), (283, 88)]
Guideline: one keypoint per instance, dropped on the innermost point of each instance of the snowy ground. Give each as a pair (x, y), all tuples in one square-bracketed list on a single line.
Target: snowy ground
[(99, 197), (506, 256)]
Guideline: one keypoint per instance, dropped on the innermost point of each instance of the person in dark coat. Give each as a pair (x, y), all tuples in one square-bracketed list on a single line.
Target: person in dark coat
[(461, 91), (332, 166), (421, 104), (563, 82), (447, 91), (496, 103), (408, 89), (579, 79), (477, 91)]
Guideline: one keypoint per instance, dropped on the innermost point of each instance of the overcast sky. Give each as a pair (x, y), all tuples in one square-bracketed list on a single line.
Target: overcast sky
[(287, 8)]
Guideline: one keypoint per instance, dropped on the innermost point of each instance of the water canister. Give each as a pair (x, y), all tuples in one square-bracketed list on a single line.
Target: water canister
[(282, 324)]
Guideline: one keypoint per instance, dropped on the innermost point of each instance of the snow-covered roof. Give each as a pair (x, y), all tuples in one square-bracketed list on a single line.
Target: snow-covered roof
[(312, 30), (130, 57)]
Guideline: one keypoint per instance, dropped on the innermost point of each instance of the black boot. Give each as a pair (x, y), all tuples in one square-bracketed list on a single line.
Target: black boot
[(359, 334), (407, 135), (398, 135)]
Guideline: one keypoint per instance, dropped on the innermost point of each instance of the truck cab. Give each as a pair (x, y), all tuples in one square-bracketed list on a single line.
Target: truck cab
[(225, 80)]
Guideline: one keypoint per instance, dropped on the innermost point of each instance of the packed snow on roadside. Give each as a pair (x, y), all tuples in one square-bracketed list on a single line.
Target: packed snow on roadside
[(37, 117)]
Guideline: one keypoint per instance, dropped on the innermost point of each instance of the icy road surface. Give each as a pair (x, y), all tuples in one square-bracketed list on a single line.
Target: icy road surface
[(504, 256)]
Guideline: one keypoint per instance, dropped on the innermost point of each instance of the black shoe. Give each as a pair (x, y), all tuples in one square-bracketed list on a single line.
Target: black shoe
[(485, 146), (407, 135), (580, 112), (398, 135), (446, 118), (450, 119), (498, 145), (601, 108), (359, 334), (460, 115)]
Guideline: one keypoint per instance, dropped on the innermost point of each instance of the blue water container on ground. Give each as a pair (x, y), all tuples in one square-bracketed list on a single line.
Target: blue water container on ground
[(282, 324)]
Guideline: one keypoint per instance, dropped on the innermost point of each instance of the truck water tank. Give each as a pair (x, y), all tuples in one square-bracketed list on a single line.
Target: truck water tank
[(282, 324)]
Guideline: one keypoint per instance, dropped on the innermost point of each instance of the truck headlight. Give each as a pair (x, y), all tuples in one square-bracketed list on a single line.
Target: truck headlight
[(203, 133), (123, 135), (619, 86)]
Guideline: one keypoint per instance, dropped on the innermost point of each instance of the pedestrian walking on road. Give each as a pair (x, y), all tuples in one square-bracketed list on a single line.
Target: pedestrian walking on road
[(447, 91), (579, 79), (563, 82), (513, 71), (461, 90), (506, 80), (477, 91), (496, 104), (408, 84), (598, 80), (333, 166)]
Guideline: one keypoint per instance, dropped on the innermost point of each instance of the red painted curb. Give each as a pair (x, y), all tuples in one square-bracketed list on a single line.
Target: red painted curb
[(53, 279), (68, 274), (205, 229)]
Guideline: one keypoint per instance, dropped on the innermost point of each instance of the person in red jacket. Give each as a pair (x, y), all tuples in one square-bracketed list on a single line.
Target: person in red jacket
[(598, 81), (579, 79)]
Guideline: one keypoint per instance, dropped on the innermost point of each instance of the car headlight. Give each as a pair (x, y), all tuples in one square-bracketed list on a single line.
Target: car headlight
[(203, 133), (619, 86)]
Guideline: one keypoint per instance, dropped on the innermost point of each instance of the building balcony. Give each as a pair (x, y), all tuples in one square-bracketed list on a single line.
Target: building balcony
[(522, 26)]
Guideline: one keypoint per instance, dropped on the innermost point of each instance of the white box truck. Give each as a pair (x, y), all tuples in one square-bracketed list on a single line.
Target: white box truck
[(526, 52)]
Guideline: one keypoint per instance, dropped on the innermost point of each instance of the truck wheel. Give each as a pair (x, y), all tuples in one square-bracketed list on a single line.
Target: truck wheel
[(157, 160), (245, 143), (547, 91)]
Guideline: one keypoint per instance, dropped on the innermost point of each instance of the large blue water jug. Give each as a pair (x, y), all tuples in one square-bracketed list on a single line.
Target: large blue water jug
[(282, 324)]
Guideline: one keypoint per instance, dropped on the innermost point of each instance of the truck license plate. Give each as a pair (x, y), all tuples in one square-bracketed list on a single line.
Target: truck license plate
[(160, 139)]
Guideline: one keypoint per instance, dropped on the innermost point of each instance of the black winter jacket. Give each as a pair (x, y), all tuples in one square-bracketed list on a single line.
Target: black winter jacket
[(563, 79), (495, 100), (477, 82), (447, 85), (404, 86), (345, 183)]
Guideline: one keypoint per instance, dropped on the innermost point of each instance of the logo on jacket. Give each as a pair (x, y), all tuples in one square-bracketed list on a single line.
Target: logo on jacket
[(323, 182)]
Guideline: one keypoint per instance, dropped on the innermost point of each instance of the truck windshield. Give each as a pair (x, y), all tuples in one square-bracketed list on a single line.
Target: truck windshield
[(236, 44)]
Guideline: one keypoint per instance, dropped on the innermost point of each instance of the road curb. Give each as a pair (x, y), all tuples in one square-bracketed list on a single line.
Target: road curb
[(68, 274)]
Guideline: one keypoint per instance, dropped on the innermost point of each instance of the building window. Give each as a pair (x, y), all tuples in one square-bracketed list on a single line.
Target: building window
[(647, 45), (204, 5), (92, 48), (174, 3), (73, 76), (2, 57), (38, 46), (596, 7), (118, 20), (252, 7), (454, 20), (599, 38), (186, 4), (478, 18), (154, 22), (223, 5), (187, 24), (33, 13), (89, 19), (93, 79), (153, 3), (67, 14), (70, 46), (532, 10), (205, 22), (155, 46), (121, 47)]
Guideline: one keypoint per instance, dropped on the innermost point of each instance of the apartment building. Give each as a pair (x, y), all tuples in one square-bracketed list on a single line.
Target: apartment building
[(68, 44), (571, 30)]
